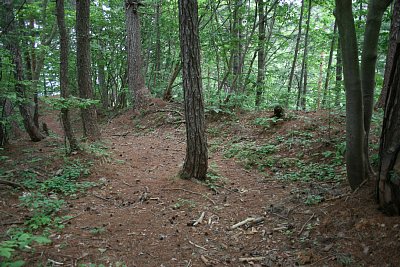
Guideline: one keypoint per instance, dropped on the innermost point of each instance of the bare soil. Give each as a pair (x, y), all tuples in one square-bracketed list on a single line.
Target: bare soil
[(146, 216)]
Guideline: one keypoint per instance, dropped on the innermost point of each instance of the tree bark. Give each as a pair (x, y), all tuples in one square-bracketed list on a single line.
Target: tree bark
[(65, 117), (296, 52), (355, 156), (88, 114), (136, 83), (339, 74), (388, 187), (260, 52), (376, 9), (12, 45), (328, 70), (196, 161), (394, 28)]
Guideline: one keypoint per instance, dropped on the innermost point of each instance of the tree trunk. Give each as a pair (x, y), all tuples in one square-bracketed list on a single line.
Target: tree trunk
[(394, 28), (168, 90), (303, 76), (328, 70), (261, 52), (196, 161), (389, 168), (12, 45), (296, 52), (65, 118), (157, 55), (376, 8), (136, 83), (88, 114), (339, 74), (355, 156)]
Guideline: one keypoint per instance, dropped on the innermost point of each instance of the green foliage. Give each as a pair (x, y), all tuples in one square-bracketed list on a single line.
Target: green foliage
[(182, 202), (71, 102), (266, 123), (312, 171), (313, 199)]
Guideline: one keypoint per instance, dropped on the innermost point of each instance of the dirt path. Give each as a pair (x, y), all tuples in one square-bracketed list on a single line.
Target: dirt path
[(143, 215)]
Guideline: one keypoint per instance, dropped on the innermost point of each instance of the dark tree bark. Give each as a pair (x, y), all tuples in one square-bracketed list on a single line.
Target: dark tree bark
[(88, 114), (394, 28), (296, 53), (12, 44), (376, 9), (196, 161), (355, 156), (389, 153), (157, 55), (136, 81), (261, 51), (328, 70), (65, 118), (168, 90), (339, 74)]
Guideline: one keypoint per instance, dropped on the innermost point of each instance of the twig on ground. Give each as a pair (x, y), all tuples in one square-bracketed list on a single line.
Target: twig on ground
[(304, 225), (100, 197), (73, 217), (205, 261), (9, 214), (11, 223), (248, 220), (122, 134), (197, 246), (248, 259), (200, 219), (55, 262), (188, 191), (125, 183)]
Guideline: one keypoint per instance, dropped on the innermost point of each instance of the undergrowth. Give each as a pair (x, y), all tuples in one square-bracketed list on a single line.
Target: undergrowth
[(44, 200)]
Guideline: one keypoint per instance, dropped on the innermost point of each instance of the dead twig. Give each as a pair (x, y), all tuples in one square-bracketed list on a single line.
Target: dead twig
[(122, 134), (248, 259), (205, 261), (188, 191), (100, 197), (304, 225), (200, 219), (125, 183), (248, 220), (197, 246)]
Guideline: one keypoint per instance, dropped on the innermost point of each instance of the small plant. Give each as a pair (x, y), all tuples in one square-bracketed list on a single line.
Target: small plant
[(97, 230), (345, 259), (182, 202), (313, 200), (266, 122)]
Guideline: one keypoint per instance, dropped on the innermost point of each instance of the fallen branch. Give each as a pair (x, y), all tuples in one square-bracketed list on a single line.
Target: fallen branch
[(197, 246), (248, 220), (251, 259), (122, 134), (195, 193), (205, 261), (100, 197), (304, 225)]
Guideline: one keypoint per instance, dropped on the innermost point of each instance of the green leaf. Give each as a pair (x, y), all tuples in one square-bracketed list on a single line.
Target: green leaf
[(6, 252)]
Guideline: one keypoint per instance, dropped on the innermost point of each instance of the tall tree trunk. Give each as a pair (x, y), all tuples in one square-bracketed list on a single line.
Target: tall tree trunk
[(296, 53), (65, 118), (157, 55), (388, 187), (328, 70), (376, 9), (320, 77), (355, 156), (260, 52), (88, 114), (168, 90), (196, 161), (303, 75), (12, 45), (136, 81), (339, 74), (394, 28)]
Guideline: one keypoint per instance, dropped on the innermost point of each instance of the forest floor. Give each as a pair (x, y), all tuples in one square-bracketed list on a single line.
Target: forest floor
[(284, 181)]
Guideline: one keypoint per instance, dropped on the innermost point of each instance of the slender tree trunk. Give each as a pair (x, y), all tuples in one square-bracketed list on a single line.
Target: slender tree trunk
[(296, 52), (157, 56), (388, 187), (321, 67), (168, 90), (12, 45), (136, 81), (88, 114), (355, 156), (339, 74), (261, 52), (65, 117), (328, 70), (303, 75), (394, 28), (196, 161), (376, 9)]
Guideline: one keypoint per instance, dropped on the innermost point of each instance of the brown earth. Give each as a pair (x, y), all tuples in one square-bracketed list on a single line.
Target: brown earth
[(143, 215)]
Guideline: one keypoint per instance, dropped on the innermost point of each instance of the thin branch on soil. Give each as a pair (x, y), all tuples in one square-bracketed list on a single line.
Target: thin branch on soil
[(55, 262), (338, 197), (9, 214), (248, 220), (189, 263), (251, 259), (200, 219), (205, 261), (100, 197), (195, 193), (73, 217), (280, 216), (304, 225), (11, 223), (197, 246), (122, 134), (13, 184), (125, 183), (170, 110)]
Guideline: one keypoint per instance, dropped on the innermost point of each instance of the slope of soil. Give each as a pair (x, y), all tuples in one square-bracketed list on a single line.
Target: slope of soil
[(143, 215)]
